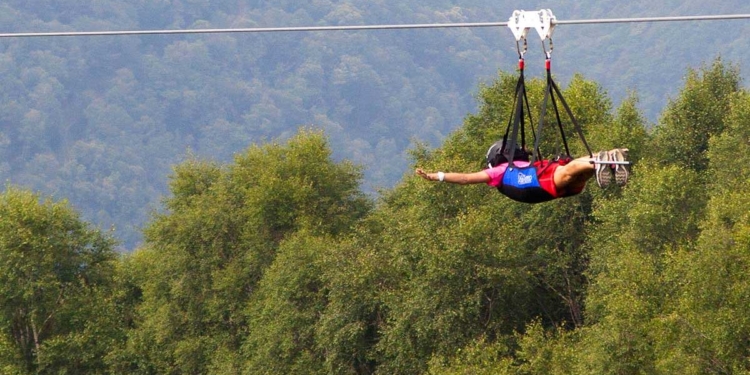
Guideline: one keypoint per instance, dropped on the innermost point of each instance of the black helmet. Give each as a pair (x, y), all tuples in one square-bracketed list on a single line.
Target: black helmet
[(496, 155)]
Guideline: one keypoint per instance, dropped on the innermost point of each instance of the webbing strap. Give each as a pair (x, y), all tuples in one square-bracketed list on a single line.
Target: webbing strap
[(541, 124), (550, 85), (576, 126), (520, 85), (531, 120), (517, 120), (549, 93)]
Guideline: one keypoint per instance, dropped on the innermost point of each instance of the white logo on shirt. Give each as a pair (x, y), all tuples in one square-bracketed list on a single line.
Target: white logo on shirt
[(524, 179)]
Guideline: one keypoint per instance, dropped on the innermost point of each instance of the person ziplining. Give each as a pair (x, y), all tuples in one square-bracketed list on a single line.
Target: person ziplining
[(525, 176), (545, 179)]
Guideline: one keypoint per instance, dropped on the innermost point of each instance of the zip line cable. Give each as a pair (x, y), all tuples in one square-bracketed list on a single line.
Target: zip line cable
[(363, 27), (255, 30), (655, 19)]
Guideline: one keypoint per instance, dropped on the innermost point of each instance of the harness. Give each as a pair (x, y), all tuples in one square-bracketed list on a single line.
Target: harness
[(522, 183)]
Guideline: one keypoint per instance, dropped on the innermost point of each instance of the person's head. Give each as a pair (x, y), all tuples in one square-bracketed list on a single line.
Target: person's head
[(498, 154)]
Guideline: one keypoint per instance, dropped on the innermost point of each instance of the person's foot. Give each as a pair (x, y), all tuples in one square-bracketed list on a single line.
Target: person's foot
[(621, 171), (603, 169)]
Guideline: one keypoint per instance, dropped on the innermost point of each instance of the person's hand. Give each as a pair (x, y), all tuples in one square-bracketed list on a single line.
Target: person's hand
[(421, 173)]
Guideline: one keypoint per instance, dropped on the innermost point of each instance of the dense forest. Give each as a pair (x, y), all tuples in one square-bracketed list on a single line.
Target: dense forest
[(101, 121), (277, 262)]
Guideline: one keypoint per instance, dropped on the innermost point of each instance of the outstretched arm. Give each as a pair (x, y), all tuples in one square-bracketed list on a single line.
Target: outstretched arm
[(456, 178)]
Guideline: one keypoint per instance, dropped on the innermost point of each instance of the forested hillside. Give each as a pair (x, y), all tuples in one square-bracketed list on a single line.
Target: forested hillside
[(101, 121), (278, 263)]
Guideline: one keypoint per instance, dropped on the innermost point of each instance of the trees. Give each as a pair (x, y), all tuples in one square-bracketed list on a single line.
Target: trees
[(222, 230), (649, 244), (697, 114), (53, 271), (703, 328), (285, 310)]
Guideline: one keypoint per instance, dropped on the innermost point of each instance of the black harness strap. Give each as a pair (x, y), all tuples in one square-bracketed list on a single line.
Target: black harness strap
[(517, 122), (549, 94), (512, 124), (576, 126)]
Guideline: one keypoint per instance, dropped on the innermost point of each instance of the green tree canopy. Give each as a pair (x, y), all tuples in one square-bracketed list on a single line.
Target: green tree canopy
[(53, 270), (699, 112), (221, 232)]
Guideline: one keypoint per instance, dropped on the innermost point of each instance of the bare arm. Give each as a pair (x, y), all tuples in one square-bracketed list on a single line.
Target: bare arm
[(456, 178)]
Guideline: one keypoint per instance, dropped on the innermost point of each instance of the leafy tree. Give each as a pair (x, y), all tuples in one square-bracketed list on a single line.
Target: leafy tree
[(479, 357), (55, 270), (354, 274), (698, 113), (221, 233), (538, 351), (642, 237), (592, 108), (703, 330), (659, 213), (11, 361), (284, 312)]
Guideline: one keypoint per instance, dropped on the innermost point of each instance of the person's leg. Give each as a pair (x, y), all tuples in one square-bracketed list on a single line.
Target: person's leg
[(574, 174)]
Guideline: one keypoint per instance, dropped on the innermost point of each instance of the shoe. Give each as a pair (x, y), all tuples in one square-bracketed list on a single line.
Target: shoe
[(621, 171), (603, 170)]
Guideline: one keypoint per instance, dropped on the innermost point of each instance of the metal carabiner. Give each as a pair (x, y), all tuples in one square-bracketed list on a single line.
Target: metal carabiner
[(521, 53), (547, 53)]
